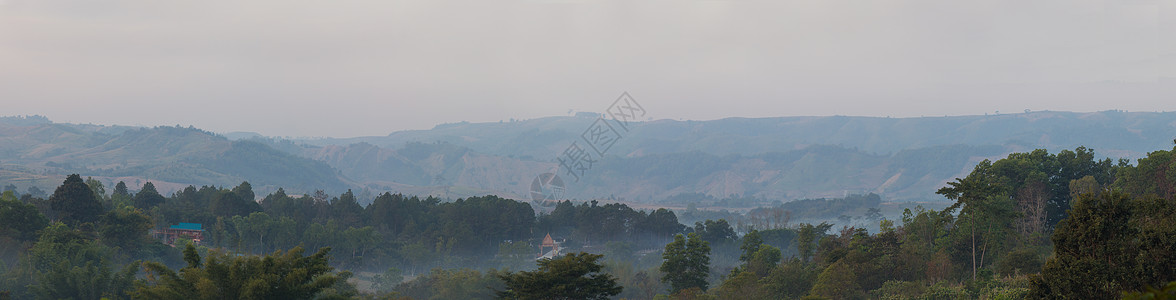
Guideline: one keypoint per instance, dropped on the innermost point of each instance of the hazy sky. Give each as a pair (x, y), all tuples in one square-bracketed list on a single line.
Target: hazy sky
[(351, 68)]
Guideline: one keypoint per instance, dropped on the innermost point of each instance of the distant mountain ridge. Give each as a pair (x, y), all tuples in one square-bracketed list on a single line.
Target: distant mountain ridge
[(1111, 133), (780, 158), (769, 159)]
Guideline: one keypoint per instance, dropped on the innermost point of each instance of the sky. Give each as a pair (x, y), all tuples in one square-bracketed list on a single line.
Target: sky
[(346, 68)]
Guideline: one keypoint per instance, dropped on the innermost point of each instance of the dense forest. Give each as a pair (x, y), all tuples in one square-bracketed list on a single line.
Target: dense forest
[(1031, 225)]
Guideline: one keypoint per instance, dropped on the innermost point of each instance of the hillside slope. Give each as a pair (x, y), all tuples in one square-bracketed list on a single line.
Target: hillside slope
[(41, 154), (815, 171), (1111, 133), (772, 158)]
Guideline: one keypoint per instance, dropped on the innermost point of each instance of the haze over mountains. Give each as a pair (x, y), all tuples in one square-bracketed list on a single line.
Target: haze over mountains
[(765, 159)]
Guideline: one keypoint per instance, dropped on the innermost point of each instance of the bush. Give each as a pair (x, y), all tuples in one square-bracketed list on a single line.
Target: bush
[(944, 291), (896, 289), (1020, 261)]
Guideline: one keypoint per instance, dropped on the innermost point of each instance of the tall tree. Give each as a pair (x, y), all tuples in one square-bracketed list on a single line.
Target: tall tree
[(686, 263), (806, 238), (347, 211), (147, 197), (75, 202), (98, 189), (120, 197), (985, 206), (245, 191), (751, 244), (1087, 244), (120, 189)]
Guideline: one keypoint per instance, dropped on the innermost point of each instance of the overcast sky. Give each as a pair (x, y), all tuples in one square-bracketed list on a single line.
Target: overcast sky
[(353, 68)]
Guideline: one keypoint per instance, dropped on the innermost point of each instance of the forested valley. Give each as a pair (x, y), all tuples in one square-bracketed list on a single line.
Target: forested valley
[(1031, 225)]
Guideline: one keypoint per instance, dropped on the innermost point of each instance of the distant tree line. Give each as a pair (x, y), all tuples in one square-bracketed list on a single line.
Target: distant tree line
[(83, 231)]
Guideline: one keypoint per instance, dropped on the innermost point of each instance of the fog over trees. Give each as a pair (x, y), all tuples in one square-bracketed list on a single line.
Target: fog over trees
[(1030, 225)]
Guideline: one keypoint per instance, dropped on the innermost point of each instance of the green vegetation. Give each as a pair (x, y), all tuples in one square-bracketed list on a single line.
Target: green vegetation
[(687, 263), (1030, 225), (573, 276), (287, 275), (108, 240), (75, 202)]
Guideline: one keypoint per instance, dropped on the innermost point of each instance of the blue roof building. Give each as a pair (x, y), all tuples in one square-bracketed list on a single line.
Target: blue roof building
[(188, 226)]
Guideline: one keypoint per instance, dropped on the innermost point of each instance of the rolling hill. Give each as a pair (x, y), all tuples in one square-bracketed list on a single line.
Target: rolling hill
[(769, 158), (42, 153), (766, 159)]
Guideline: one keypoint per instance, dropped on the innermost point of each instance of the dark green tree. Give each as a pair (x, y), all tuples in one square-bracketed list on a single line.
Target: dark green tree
[(572, 276), (792, 279), (663, 223), (1111, 244), (806, 239), (288, 275), (120, 189), (228, 204), (751, 244), (838, 281), (18, 220), (120, 197), (147, 197), (763, 260), (686, 263), (986, 211), (245, 191), (98, 189), (1166, 292), (192, 257), (57, 251), (346, 210), (124, 228), (93, 280), (715, 232), (75, 202), (1153, 175)]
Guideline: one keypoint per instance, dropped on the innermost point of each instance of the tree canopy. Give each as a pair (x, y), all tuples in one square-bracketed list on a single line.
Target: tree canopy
[(75, 202), (687, 263), (572, 276), (281, 275)]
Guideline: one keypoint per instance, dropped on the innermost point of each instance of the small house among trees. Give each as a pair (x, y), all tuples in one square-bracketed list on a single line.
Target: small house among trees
[(548, 242), (191, 231)]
